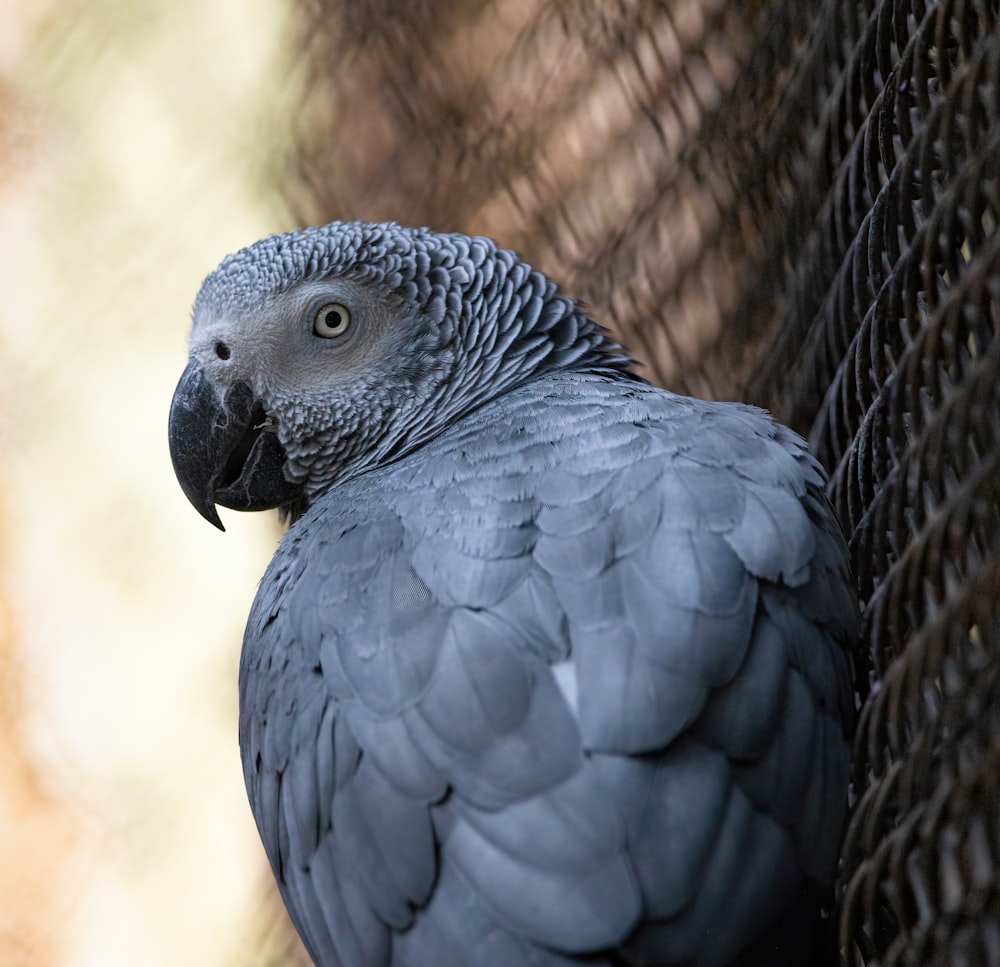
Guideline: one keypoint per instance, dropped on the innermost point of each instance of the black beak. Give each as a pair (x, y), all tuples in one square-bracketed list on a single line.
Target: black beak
[(222, 450)]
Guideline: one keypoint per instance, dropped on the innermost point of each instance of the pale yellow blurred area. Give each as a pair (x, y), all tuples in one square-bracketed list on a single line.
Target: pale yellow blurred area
[(139, 143)]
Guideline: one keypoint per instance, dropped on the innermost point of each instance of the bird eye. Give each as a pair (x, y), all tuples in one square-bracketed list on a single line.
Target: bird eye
[(332, 320)]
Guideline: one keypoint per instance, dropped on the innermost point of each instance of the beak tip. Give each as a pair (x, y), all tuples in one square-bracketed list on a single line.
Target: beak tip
[(212, 516), (202, 502)]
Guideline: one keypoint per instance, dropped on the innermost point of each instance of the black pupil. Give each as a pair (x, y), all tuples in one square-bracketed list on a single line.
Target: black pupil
[(333, 319)]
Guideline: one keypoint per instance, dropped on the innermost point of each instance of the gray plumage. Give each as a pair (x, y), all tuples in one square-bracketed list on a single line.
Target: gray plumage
[(551, 666)]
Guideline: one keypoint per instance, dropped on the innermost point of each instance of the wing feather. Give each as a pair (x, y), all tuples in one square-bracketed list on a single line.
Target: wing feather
[(567, 678)]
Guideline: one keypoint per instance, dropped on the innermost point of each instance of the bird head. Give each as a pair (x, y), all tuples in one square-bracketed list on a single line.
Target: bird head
[(322, 353)]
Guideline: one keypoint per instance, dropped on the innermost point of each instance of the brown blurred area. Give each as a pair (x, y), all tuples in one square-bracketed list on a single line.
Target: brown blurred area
[(39, 844), (577, 133)]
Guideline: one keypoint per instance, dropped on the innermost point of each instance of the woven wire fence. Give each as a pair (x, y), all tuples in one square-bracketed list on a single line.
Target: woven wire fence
[(794, 203)]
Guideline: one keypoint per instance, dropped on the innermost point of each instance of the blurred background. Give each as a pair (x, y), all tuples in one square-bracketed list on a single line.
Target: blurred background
[(139, 143), (791, 202)]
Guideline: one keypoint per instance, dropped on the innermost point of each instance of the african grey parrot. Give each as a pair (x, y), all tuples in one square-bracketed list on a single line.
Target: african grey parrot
[(551, 666)]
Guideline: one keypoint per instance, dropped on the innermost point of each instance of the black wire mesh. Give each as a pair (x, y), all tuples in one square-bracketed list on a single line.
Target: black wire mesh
[(793, 202)]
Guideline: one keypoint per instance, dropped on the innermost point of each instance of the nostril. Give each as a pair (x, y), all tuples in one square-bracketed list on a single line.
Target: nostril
[(222, 350)]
